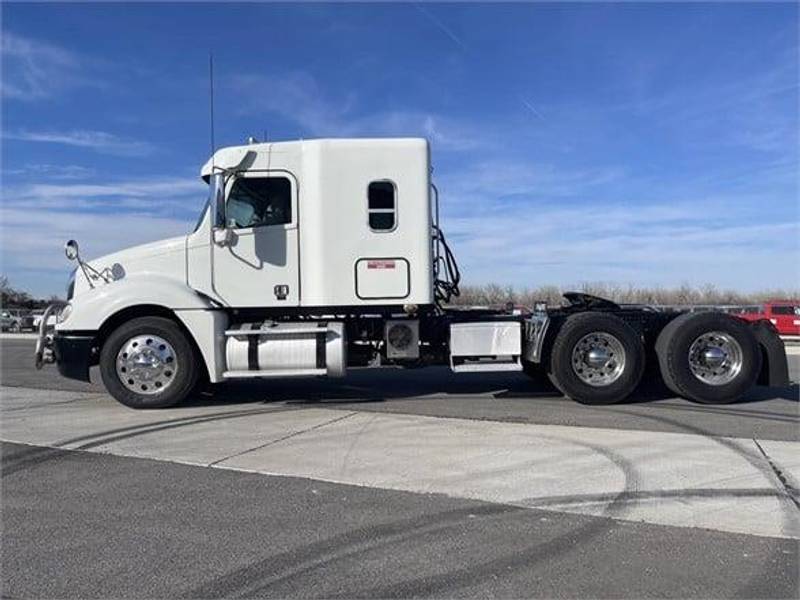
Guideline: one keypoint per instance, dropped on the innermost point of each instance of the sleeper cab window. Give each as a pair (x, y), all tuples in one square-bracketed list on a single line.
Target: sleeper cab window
[(382, 205), (259, 201)]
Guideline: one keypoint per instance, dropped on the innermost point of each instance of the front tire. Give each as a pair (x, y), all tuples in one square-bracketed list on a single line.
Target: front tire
[(148, 363), (708, 357), (596, 358)]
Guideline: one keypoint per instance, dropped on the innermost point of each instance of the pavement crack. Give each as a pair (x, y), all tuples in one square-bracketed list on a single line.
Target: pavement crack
[(790, 490), (284, 438)]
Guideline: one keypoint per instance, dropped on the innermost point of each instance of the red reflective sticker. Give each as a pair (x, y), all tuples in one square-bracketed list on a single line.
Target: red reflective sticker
[(380, 264)]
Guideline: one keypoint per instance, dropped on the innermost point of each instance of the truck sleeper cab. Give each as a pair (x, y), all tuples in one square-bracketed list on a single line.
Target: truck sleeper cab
[(311, 257)]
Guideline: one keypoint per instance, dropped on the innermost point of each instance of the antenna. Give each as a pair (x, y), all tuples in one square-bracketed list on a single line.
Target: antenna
[(211, 103)]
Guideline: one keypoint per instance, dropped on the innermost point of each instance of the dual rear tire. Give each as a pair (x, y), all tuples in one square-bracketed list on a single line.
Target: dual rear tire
[(597, 358), (708, 357)]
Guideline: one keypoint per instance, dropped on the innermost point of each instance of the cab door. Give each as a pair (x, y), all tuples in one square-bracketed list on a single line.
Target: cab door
[(259, 266)]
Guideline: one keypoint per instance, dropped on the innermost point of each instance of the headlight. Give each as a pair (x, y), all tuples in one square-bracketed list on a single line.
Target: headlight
[(64, 314)]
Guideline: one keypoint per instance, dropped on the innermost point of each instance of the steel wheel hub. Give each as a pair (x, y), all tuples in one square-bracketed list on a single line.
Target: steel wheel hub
[(715, 358), (598, 359), (146, 364)]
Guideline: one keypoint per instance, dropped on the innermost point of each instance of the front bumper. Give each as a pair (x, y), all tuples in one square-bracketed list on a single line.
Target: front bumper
[(73, 354)]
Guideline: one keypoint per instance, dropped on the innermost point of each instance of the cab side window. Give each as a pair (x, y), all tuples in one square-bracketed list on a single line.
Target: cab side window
[(382, 206), (259, 202)]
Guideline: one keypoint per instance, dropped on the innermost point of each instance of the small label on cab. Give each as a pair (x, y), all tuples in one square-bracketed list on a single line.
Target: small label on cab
[(380, 264)]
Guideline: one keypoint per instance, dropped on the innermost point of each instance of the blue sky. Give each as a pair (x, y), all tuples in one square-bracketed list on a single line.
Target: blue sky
[(652, 144)]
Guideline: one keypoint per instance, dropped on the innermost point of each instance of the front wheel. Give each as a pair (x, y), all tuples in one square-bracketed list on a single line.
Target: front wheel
[(596, 358), (148, 363)]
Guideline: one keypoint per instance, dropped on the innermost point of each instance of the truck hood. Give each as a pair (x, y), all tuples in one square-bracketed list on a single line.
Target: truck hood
[(166, 258)]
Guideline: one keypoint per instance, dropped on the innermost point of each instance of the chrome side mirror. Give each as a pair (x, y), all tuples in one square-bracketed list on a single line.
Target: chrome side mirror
[(222, 237), (71, 250), (216, 200), (220, 234)]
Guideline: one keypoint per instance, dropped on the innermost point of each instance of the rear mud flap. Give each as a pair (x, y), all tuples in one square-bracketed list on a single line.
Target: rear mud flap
[(775, 367)]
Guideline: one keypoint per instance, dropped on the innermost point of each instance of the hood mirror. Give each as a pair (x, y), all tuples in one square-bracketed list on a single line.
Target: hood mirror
[(71, 250)]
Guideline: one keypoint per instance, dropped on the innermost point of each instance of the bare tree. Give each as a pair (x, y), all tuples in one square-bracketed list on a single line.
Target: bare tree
[(683, 295)]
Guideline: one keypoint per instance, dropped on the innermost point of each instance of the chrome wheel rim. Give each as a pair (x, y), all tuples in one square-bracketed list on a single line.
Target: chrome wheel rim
[(715, 358), (598, 359), (147, 364)]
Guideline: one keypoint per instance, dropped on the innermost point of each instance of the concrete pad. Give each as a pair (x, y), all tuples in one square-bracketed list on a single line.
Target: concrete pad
[(197, 435), (18, 398), (209, 439), (66, 419), (675, 479), (670, 479)]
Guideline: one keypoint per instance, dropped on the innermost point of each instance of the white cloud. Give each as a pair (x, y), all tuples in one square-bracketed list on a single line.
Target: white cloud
[(156, 189), (48, 171), (34, 70), (98, 141), (298, 98), (669, 243), (33, 243), (38, 218), (477, 182)]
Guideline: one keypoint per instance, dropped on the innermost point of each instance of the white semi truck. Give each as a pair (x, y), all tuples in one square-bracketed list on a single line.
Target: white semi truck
[(312, 257)]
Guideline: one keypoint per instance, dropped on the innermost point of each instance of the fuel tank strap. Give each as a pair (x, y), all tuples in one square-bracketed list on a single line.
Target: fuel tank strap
[(252, 348)]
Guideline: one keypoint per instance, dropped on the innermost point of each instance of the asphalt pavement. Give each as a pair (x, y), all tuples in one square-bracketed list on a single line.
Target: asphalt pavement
[(394, 484), (81, 525), (765, 413)]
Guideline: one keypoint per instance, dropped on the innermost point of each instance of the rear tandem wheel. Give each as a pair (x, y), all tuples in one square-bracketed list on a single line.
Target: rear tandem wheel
[(708, 357), (596, 358)]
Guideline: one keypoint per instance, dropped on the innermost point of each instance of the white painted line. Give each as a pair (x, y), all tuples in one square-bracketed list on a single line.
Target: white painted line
[(673, 479)]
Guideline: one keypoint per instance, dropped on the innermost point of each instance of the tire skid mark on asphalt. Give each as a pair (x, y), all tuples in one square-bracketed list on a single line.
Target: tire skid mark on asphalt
[(283, 438), (101, 438), (788, 485), (617, 408), (750, 414), (36, 455), (50, 404), (526, 464), (640, 495), (444, 582), (356, 438), (789, 521), (248, 580), (754, 458), (30, 457), (107, 437)]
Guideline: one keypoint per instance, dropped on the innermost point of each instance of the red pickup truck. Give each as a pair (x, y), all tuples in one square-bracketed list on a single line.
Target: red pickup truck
[(784, 314)]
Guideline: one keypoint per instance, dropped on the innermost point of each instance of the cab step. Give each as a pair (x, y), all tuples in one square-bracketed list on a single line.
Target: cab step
[(273, 329), (275, 373)]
